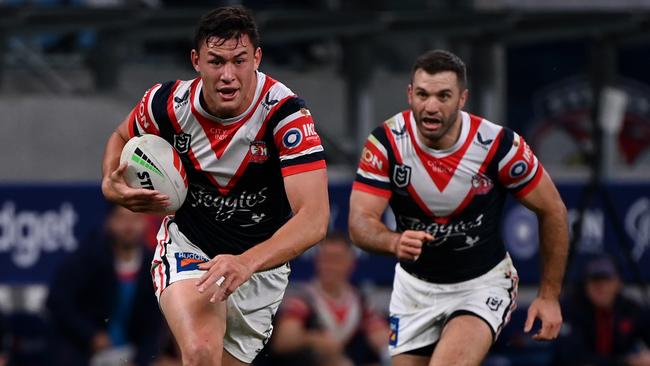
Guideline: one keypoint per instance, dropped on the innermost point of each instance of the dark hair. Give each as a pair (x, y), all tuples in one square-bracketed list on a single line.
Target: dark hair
[(436, 61), (226, 23)]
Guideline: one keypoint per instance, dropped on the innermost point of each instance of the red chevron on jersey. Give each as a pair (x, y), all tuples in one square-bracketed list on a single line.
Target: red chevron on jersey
[(402, 172), (222, 147), (221, 134), (441, 170), (441, 181), (481, 183)]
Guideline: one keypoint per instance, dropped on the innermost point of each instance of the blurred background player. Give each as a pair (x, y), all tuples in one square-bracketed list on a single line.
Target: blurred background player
[(602, 326), (327, 321), (445, 174), (101, 303), (257, 192)]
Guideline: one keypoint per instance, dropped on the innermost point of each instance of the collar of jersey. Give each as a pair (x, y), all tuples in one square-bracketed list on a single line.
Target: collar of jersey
[(228, 121)]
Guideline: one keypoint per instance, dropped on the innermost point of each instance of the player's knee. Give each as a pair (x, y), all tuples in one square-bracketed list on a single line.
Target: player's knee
[(201, 353)]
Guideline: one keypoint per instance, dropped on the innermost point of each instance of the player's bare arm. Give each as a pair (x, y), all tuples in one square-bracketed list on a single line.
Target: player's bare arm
[(307, 195), (551, 213), (114, 186), (369, 232)]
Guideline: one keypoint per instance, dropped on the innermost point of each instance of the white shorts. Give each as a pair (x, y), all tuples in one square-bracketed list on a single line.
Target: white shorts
[(250, 309), (419, 309)]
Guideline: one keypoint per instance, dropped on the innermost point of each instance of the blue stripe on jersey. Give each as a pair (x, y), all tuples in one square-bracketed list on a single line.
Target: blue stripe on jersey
[(303, 159), (159, 111)]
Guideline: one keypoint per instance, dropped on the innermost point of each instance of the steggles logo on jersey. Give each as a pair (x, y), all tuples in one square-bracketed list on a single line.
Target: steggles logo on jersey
[(259, 152), (442, 232), (402, 175), (182, 142), (223, 208)]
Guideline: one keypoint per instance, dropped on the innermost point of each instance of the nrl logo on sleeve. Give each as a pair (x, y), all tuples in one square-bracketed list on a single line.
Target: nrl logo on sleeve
[(402, 175), (182, 142), (259, 152)]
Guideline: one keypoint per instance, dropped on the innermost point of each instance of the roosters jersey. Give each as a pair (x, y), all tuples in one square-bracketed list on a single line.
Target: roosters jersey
[(235, 166), (457, 195)]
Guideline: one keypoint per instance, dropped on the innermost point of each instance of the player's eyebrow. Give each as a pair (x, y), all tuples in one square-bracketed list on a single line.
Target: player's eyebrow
[(215, 54)]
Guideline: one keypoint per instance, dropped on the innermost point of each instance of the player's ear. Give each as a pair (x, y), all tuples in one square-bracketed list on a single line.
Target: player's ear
[(257, 57), (463, 98), (194, 58), (409, 93)]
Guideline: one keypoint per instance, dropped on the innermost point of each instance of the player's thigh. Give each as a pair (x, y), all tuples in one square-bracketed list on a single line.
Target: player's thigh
[(405, 359), (192, 318), (230, 360), (465, 341)]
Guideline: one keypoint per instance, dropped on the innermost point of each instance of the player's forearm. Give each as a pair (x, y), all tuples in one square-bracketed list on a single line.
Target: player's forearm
[(110, 162), (370, 234), (307, 227), (112, 153), (554, 244)]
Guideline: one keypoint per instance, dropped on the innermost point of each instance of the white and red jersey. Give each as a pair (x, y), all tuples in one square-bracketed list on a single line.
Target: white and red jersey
[(344, 318), (456, 194), (235, 166)]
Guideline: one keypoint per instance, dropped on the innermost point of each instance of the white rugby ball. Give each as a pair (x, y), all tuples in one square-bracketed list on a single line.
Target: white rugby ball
[(154, 164)]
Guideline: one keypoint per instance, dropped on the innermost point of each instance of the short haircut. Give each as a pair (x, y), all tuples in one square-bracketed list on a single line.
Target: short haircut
[(224, 23), (436, 61)]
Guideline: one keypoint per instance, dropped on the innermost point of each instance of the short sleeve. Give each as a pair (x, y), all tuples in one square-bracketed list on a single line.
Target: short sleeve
[(145, 117), (372, 172), (299, 145), (519, 169)]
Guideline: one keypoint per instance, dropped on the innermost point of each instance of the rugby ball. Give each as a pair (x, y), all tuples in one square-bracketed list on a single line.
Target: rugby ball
[(154, 164)]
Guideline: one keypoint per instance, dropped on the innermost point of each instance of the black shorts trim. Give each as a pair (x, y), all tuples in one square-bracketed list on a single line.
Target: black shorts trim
[(425, 351), (471, 313)]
